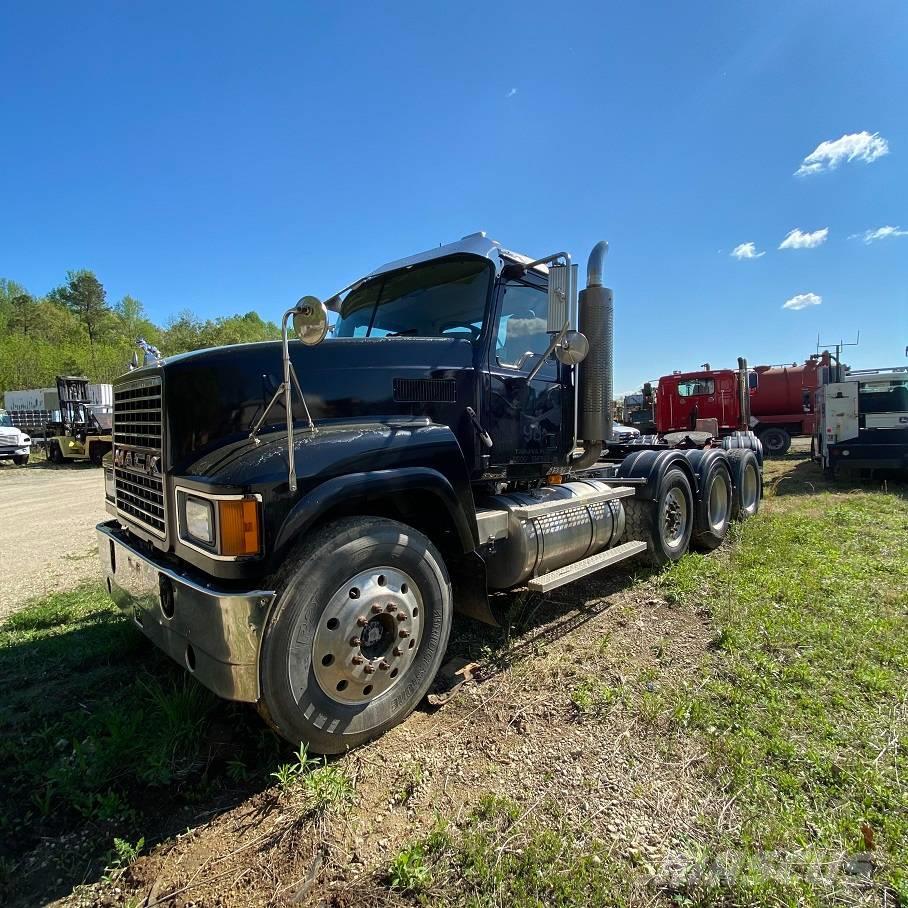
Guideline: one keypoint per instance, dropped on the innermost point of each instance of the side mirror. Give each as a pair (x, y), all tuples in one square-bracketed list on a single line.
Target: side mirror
[(562, 294), (310, 320), (572, 349)]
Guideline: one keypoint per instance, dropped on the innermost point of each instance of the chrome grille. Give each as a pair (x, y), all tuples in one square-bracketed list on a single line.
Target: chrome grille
[(138, 447)]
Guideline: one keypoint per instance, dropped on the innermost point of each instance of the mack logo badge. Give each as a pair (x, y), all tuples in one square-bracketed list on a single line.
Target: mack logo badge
[(138, 460)]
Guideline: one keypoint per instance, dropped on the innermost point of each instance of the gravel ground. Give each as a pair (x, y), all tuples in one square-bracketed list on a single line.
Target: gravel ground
[(47, 529)]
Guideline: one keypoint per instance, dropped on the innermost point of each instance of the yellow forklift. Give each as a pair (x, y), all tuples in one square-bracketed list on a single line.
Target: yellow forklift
[(78, 434)]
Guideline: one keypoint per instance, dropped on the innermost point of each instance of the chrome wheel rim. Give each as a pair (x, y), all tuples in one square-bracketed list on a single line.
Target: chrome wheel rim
[(750, 489), (718, 502), (674, 518), (368, 635)]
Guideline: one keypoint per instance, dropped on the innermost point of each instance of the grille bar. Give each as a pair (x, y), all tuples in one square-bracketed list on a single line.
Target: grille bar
[(138, 422)]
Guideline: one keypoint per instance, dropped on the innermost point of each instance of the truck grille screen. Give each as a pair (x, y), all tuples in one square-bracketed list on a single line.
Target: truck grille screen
[(425, 390), (138, 447)]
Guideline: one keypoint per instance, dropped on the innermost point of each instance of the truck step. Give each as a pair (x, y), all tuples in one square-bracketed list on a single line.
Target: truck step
[(544, 508), (546, 582)]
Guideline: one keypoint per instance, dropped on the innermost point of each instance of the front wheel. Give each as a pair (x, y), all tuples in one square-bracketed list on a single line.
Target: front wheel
[(20, 460), (776, 442), (358, 633), (54, 454), (665, 524)]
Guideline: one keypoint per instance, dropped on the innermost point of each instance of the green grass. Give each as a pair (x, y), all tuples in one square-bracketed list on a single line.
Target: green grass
[(503, 854), (804, 703), (98, 728)]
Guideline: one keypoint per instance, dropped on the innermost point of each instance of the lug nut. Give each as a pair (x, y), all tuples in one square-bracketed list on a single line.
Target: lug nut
[(355, 641), (369, 669), (376, 608), (403, 634), (398, 651), (362, 621), (357, 660), (391, 607), (384, 666), (401, 616)]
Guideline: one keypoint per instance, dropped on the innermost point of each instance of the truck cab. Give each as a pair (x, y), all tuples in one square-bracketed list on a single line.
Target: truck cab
[(296, 521), (15, 445)]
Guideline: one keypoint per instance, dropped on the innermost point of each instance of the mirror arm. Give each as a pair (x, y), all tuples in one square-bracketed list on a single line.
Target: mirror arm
[(289, 382), (553, 343)]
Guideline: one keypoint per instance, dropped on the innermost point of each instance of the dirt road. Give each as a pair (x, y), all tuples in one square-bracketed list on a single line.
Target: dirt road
[(47, 529)]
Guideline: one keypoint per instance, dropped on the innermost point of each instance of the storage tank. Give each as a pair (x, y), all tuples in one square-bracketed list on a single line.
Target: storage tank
[(785, 390)]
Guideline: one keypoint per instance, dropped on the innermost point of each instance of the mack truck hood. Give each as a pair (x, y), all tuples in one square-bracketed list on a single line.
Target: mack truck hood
[(213, 397)]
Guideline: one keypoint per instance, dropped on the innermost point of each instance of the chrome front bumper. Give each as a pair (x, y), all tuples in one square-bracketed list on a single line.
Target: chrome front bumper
[(216, 635)]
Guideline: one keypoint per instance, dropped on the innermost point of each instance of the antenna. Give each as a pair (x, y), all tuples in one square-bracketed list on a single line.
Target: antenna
[(838, 351)]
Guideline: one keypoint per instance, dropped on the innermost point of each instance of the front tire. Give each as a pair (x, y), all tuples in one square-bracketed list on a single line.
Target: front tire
[(358, 633), (776, 442), (20, 460), (665, 524), (54, 454)]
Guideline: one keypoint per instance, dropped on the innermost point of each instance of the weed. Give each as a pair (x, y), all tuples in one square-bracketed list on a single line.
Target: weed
[(122, 856), (594, 697), (409, 872), (327, 787)]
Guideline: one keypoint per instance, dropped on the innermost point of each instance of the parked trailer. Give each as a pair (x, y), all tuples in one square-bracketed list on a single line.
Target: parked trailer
[(97, 394), (295, 521)]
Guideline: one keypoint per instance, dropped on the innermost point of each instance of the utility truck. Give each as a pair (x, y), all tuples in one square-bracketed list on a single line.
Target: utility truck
[(863, 420), (295, 522), (15, 445)]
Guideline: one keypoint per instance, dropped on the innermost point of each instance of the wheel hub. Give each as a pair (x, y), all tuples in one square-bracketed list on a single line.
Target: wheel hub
[(368, 635), (674, 517)]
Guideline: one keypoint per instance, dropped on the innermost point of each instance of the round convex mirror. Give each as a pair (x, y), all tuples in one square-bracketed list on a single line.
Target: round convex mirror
[(310, 320), (572, 349)]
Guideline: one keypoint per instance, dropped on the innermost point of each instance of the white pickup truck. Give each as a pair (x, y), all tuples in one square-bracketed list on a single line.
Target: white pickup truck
[(15, 445)]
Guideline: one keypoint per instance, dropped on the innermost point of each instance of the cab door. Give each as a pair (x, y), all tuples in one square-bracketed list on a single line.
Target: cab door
[(528, 420)]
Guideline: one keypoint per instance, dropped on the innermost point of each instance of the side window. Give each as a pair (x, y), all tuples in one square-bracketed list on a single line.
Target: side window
[(521, 325), (696, 386)]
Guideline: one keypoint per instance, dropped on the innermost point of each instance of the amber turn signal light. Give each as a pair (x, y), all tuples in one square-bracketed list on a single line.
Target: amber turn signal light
[(240, 530)]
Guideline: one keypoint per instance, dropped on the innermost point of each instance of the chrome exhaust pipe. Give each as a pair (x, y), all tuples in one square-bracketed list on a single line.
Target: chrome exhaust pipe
[(597, 323)]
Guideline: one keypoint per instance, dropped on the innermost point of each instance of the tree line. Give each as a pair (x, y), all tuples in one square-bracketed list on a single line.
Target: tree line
[(74, 330)]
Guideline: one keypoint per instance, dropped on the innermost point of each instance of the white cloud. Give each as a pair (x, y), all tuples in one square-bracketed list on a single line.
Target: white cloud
[(797, 239), (802, 301), (511, 93), (881, 233), (856, 146), (746, 251)]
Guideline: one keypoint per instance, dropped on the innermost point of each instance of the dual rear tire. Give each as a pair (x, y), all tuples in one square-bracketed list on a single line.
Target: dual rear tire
[(729, 488)]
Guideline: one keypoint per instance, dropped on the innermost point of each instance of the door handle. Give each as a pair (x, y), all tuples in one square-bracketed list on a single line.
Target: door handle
[(484, 436)]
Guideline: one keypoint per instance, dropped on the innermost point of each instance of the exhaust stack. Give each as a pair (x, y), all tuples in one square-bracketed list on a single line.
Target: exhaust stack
[(595, 390)]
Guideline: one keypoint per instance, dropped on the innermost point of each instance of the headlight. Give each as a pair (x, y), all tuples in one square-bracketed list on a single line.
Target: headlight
[(199, 519), (109, 485)]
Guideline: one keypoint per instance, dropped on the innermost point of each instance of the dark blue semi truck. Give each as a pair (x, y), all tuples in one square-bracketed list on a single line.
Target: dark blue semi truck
[(296, 521)]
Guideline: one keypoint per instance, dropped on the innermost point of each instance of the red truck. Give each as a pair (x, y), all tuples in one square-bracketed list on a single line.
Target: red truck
[(774, 402)]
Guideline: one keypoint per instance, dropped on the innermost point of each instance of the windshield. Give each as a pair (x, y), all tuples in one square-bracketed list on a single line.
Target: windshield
[(5, 421), (883, 397), (443, 298)]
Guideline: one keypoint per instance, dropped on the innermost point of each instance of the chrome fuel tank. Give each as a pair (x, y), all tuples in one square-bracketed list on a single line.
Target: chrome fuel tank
[(576, 524)]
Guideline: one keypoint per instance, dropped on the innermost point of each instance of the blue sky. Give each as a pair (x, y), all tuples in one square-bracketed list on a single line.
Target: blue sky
[(225, 157)]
